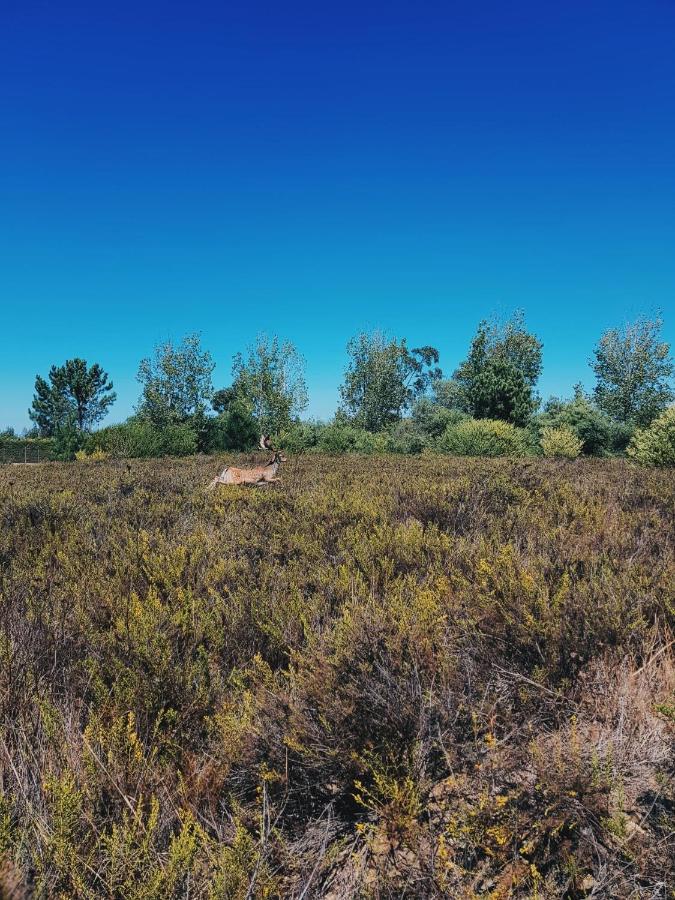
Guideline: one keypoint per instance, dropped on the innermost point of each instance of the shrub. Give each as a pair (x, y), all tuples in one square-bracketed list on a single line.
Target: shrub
[(178, 440), (339, 438), (138, 438), (560, 442), (433, 418), (234, 429), (299, 437), (96, 455), (134, 438), (68, 439), (430, 677), (600, 435), (621, 434), (655, 446), (484, 437), (406, 437)]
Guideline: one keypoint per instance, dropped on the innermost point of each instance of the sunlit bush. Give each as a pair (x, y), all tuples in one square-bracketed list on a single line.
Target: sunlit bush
[(561, 442), (655, 446), (599, 434), (95, 455), (484, 437)]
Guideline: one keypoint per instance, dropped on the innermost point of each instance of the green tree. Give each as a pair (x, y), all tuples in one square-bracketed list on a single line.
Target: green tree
[(500, 373), (384, 378), (270, 380), (632, 367), (222, 399), (176, 383), (450, 394), (234, 429), (74, 394)]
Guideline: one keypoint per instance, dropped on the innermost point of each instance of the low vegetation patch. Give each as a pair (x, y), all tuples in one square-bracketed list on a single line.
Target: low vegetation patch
[(384, 677)]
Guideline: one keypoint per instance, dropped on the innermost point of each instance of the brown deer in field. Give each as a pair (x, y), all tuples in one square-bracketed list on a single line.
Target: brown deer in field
[(257, 475)]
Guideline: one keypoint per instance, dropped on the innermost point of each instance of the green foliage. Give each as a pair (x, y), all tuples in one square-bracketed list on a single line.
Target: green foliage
[(484, 437), (176, 383), (339, 438), (178, 440), (270, 381), (561, 442), (15, 449), (600, 435), (139, 438), (67, 439), (234, 429), (384, 378), (451, 394), (433, 418), (300, 437), (75, 394), (655, 446), (633, 367), (500, 373), (384, 676), (406, 437)]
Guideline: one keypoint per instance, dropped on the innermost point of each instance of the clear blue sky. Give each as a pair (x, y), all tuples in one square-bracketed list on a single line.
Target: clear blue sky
[(314, 169)]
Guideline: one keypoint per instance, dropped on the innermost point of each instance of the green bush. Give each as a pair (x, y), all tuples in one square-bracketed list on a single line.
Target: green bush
[(178, 440), (339, 438), (138, 438), (234, 429), (621, 434), (433, 418), (299, 437), (655, 446), (67, 441), (134, 438), (484, 437), (600, 435), (406, 437), (560, 442)]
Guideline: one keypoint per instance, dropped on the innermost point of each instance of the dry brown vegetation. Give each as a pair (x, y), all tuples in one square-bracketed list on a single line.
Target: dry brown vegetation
[(380, 678)]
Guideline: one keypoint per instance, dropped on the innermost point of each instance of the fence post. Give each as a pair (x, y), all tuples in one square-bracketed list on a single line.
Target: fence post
[(25, 452)]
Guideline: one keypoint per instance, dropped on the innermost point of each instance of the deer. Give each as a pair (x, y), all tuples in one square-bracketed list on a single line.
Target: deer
[(257, 475)]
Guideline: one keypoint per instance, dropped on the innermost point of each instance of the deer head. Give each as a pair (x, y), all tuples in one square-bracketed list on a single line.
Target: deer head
[(266, 444)]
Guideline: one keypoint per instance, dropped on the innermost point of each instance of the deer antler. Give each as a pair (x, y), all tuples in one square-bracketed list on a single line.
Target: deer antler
[(265, 443)]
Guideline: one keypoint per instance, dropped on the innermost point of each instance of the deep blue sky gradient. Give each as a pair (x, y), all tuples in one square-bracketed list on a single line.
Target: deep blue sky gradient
[(315, 169)]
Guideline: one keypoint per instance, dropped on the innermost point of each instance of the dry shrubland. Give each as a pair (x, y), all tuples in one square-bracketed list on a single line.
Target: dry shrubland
[(383, 677)]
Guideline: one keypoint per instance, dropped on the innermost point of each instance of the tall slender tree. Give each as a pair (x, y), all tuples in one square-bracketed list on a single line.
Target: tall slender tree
[(270, 379), (384, 378), (497, 380), (75, 393), (176, 382), (633, 368)]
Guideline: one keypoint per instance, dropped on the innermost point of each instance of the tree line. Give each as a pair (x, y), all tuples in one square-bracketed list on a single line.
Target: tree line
[(392, 397)]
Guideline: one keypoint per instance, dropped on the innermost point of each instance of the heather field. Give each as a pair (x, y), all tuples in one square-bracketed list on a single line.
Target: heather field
[(383, 677)]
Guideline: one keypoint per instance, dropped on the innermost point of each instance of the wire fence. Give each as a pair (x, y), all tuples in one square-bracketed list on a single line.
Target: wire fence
[(25, 452)]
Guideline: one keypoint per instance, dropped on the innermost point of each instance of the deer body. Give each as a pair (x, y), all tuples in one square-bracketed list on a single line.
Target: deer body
[(257, 475)]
